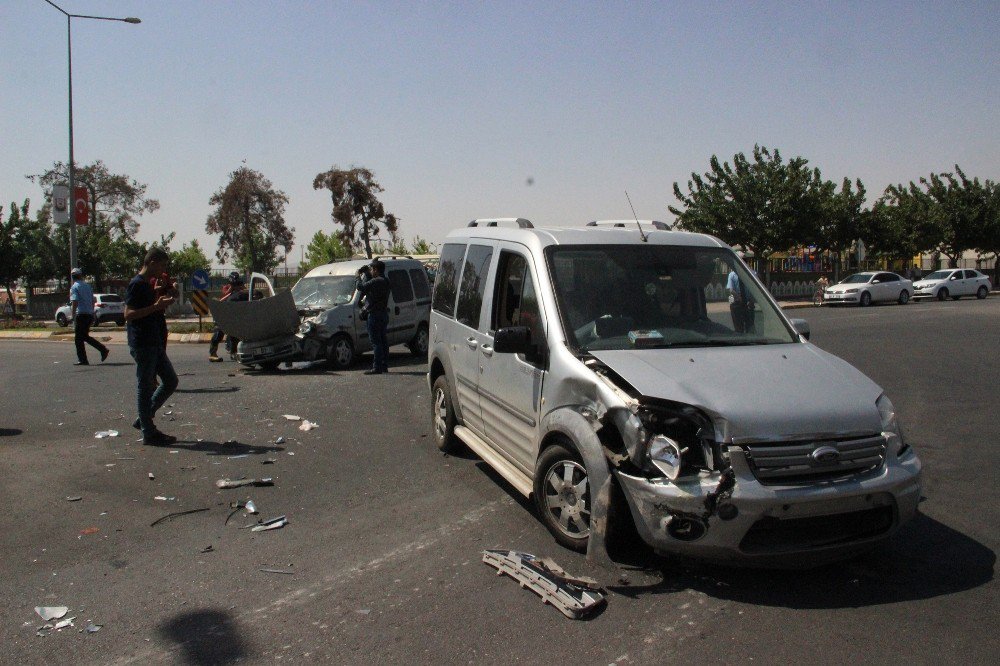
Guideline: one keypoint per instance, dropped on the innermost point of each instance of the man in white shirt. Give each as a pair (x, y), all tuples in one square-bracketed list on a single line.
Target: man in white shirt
[(81, 297)]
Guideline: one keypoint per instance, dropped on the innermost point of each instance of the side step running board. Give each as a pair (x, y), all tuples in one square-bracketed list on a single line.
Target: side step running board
[(513, 475)]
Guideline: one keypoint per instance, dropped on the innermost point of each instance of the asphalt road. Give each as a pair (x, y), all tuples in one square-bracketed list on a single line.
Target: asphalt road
[(385, 534)]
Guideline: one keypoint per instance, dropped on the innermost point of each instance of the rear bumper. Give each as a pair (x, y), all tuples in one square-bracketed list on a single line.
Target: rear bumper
[(775, 525)]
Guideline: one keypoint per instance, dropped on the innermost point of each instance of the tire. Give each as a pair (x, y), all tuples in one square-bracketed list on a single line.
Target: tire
[(942, 294), (270, 366), (904, 297), (418, 345), (982, 292), (955, 297), (340, 352), (120, 322), (866, 299), (562, 496), (443, 420), (61, 320)]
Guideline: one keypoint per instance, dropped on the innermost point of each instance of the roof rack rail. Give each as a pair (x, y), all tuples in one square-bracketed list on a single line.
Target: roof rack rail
[(656, 224), (519, 222)]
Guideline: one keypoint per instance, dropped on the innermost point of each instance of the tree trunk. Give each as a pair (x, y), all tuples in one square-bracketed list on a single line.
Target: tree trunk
[(11, 303), (366, 237)]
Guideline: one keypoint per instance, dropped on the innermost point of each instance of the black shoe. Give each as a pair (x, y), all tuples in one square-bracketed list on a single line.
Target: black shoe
[(81, 363), (104, 354), (137, 424), (158, 438), (373, 371)]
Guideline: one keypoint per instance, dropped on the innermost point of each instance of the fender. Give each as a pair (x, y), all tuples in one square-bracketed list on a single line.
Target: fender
[(570, 422)]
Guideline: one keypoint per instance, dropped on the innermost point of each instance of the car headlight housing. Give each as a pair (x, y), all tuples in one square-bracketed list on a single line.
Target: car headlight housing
[(666, 455), (850, 291), (890, 426), (307, 327)]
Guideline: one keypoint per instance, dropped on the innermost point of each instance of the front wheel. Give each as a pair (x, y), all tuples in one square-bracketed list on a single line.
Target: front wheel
[(981, 293), (418, 345), (904, 297), (942, 294), (866, 299), (443, 418), (562, 496), (340, 353), (61, 320)]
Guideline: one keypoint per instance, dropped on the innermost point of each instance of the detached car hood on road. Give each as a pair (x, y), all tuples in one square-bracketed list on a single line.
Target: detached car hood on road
[(762, 391), (257, 320)]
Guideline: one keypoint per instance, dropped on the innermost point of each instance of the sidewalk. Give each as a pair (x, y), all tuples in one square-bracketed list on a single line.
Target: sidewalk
[(114, 336)]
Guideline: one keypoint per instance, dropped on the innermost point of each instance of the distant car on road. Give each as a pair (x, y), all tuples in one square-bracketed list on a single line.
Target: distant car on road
[(953, 282), (870, 287), (108, 307)]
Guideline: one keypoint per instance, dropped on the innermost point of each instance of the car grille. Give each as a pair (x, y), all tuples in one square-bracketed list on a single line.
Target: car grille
[(774, 535), (780, 463)]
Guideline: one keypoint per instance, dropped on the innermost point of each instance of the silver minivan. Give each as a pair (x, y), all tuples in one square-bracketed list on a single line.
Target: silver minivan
[(646, 375)]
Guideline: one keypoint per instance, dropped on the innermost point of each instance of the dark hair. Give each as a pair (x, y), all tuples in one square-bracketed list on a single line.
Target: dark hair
[(155, 254), (378, 266)]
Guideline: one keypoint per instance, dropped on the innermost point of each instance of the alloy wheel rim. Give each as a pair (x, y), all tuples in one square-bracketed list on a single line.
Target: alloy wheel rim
[(440, 414), (567, 498)]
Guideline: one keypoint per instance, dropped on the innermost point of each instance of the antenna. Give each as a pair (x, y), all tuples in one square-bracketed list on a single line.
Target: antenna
[(641, 235)]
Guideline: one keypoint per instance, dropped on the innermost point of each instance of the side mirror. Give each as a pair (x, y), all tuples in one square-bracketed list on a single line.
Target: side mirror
[(875, 281), (954, 277), (513, 340), (801, 327)]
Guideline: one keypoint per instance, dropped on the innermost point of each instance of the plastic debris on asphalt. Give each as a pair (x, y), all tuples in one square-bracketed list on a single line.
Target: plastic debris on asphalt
[(280, 440), (307, 426), (75, 498), (62, 624), (48, 613), (268, 461), (574, 597), (237, 483), (287, 572), (90, 530), (151, 477), (208, 549), (292, 417), (94, 628), (105, 433), (164, 499), (272, 524), (175, 514)]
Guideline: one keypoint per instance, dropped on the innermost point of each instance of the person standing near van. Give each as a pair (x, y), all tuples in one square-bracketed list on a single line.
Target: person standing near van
[(233, 291), (374, 287), (740, 304), (81, 296), (147, 335)]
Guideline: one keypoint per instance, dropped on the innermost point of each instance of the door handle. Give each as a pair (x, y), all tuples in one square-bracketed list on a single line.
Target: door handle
[(487, 350), (471, 342)]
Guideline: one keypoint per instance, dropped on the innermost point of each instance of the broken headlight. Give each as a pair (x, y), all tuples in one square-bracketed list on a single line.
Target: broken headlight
[(890, 426), (307, 327), (666, 455)]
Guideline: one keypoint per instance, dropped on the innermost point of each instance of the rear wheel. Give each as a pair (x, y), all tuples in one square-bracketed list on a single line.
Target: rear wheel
[(562, 496), (866, 299), (340, 352), (61, 319), (982, 292), (904, 297), (418, 345), (443, 419), (942, 294)]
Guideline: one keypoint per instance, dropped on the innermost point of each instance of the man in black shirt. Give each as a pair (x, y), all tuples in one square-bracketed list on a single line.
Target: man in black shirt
[(147, 335), (375, 288)]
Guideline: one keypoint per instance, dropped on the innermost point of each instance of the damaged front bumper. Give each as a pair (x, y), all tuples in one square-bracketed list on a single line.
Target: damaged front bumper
[(753, 523)]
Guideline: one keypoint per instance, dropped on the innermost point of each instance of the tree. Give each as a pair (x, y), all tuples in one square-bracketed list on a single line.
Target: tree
[(188, 259), (987, 240), (323, 249), (764, 205), (959, 207), (356, 207), (12, 250), (249, 215), (421, 246), (841, 218)]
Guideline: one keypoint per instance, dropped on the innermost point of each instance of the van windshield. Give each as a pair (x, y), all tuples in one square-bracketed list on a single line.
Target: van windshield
[(322, 292), (660, 296)]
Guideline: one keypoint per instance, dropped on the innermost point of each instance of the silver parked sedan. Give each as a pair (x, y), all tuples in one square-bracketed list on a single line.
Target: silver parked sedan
[(870, 287), (954, 283)]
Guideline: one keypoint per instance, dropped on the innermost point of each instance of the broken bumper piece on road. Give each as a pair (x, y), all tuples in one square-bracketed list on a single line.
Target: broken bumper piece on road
[(575, 598)]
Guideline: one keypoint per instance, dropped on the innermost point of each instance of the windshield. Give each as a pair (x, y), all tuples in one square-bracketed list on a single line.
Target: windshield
[(938, 275), (656, 296), (323, 291), (857, 278)]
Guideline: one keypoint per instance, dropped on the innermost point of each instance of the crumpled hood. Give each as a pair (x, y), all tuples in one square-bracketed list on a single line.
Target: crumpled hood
[(761, 391)]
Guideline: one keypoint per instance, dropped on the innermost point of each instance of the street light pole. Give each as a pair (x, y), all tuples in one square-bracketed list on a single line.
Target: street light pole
[(72, 165)]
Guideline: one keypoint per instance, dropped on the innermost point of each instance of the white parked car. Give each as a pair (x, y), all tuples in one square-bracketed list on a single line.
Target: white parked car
[(867, 288), (107, 307), (954, 282)]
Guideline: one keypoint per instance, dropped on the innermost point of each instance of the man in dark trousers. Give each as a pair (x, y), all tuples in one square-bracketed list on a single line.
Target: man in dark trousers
[(147, 335), (233, 291), (374, 287), (81, 296)]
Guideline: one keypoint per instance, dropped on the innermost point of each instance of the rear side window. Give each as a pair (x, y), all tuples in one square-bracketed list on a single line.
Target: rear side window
[(399, 284), (470, 297), (970, 275), (110, 298), (421, 289), (446, 283)]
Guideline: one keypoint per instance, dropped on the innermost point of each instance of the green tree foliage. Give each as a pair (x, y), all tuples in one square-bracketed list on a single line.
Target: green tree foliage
[(188, 259), (763, 205), (421, 246), (356, 208), (987, 240), (249, 217), (12, 249), (323, 249), (842, 215)]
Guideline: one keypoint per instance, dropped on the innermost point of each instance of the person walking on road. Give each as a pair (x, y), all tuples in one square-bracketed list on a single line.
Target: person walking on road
[(374, 287), (234, 291), (820, 294), (81, 296), (147, 334)]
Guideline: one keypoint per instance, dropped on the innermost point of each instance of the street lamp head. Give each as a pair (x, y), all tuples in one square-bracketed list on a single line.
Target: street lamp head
[(132, 19)]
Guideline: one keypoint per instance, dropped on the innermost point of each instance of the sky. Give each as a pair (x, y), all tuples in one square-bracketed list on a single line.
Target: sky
[(543, 110)]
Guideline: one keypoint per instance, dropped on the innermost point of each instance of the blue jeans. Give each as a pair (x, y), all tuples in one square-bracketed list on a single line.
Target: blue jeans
[(150, 363), (378, 333)]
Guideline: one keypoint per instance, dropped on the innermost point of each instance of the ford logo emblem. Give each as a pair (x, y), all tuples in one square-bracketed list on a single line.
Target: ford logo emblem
[(825, 455)]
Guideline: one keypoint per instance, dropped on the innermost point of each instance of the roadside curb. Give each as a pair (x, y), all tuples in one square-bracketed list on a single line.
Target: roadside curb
[(116, 336)]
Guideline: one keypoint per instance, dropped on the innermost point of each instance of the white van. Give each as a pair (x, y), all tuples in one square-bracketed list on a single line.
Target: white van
[(600, 362)]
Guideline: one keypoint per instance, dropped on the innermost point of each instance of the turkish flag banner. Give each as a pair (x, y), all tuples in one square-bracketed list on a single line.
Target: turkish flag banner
[(81, 208)]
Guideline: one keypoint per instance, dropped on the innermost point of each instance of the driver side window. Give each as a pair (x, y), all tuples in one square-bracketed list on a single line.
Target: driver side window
[(515, 302)]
